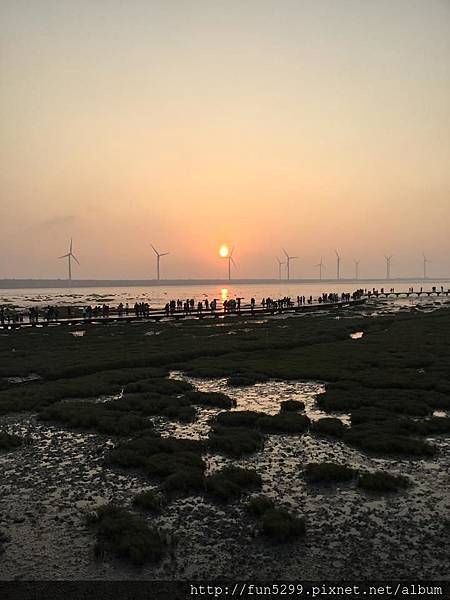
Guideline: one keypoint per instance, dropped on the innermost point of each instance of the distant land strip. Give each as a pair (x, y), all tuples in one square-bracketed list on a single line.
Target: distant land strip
[(10, 284)]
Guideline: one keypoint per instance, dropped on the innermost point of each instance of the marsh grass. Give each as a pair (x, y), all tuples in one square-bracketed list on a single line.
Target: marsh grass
[(399, 369), (292, 406), (281, 526), (8, 441), (149, 500), (284, 422), (380, 481), (231, 482), (210, 399), (235, 441), (94, 416), (329, 426), (176, 462), (238, 418), (126, 535), (328, 472), (259, 504)]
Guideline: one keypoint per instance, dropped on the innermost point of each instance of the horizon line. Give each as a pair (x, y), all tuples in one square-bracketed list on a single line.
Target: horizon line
[(23, 283)]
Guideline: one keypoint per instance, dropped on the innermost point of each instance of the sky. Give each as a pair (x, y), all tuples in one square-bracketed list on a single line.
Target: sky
[(312, 125)]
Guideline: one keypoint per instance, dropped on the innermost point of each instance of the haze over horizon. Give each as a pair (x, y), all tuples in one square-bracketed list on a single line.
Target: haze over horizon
[(312, 125)]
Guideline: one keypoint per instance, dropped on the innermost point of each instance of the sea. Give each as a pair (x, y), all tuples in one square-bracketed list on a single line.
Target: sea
[(158, 295)]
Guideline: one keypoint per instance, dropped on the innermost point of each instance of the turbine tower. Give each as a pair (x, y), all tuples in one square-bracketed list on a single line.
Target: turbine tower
[(158, 256), (69, 257), (388, 266), (425, 262), (280, 263), (321, 266), (230, 260), (338, 265), (288, 261), (356, 269)]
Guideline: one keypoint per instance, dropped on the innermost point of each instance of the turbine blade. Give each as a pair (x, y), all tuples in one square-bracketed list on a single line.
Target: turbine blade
[(75, 259), (287, 255), (164, 254), (71, 245), (232, 260), (64, 256), (155, 250)]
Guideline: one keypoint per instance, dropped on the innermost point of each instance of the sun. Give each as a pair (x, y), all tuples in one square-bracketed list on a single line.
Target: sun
[(223, 251)]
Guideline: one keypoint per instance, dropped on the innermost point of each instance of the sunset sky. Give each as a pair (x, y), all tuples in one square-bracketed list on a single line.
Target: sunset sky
[(309, 124)]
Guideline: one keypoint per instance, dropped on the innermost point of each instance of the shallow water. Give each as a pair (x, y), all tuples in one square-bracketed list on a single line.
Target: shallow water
[(157, 296)]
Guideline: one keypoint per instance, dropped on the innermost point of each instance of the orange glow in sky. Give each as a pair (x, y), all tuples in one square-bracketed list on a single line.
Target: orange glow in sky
[(304, 125)]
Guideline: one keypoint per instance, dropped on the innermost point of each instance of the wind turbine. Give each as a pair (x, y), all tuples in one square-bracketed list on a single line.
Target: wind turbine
[(158, 256), (288, 260), (230, 260), (69, 257), (425, 262), (338, 265), (356, 269), (280, 263), (321, 266), (388, 266)]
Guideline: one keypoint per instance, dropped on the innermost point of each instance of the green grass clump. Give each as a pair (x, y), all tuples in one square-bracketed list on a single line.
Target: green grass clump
[(241, 381), (433, 426), (190, 480), (380, 481), (137, 451), (292, 406), (328, 472), (280, 525), (36, 395), (9, 441), (235, 441), (163, 464), (231, 482), (94, 416), (239, 418), (348, 396), (149, 500), (372, 437), (151, 405), (329, 426), (259, 504), (211, 399), (177, 462), (284, 422), (161, 386), (126, 535)]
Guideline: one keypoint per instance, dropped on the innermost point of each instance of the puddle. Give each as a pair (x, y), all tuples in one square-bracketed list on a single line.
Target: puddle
[(26, 379), (357, 335), (267, 396)]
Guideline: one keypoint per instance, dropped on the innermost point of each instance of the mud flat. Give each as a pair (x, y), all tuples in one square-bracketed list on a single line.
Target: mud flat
[(59, 473)]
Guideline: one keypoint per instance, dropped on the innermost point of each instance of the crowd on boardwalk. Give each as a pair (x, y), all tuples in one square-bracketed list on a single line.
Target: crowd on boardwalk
[(12, 316), (189, 306)]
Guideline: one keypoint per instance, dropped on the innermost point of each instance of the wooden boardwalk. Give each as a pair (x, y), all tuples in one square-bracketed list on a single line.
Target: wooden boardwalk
[(415, 294), (157, 315)]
